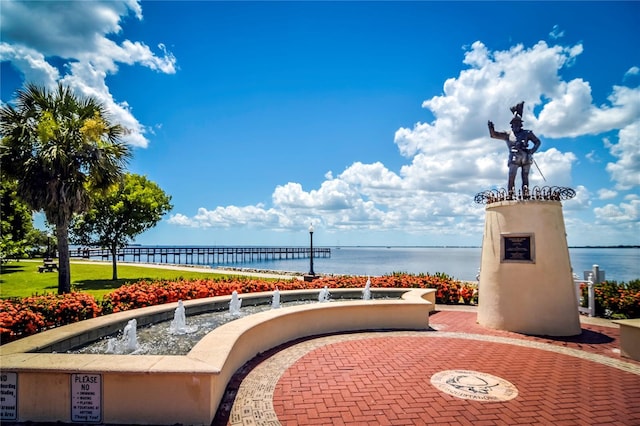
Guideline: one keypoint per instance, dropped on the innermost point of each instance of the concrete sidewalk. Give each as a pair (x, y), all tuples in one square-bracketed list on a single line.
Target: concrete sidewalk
[(231, 271)]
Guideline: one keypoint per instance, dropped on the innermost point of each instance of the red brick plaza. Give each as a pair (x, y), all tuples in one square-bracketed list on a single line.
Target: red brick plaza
[(458, 373)]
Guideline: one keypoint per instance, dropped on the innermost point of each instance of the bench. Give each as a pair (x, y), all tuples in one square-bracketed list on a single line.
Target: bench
[(629, 338), (48, 266)]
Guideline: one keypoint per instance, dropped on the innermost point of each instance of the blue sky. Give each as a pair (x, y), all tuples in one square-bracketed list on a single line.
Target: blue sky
[(367, 119)]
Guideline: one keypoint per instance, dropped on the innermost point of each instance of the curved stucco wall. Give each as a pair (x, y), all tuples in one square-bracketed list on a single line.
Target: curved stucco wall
[(535, 296), (186, 389)]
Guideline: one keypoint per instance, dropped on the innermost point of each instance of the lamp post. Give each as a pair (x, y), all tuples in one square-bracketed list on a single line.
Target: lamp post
[(311, 275), (48, 255), (311, 251)]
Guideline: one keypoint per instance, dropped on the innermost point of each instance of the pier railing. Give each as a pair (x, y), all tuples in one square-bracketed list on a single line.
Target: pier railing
[(201, 255)]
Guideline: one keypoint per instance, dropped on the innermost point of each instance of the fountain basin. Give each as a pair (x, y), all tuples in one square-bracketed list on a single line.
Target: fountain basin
[(169, 389)]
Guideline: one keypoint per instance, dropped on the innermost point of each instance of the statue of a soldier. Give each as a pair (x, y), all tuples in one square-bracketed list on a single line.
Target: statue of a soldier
[(520, 154)]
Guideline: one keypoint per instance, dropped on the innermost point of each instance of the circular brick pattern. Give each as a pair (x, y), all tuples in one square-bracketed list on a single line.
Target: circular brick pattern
[(474, 385), (385, 378)]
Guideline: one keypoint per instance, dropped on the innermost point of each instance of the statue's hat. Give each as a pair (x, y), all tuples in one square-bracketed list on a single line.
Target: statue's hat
[(516, 110)]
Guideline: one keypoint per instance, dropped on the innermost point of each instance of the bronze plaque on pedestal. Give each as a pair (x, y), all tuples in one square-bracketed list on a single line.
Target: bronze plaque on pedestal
[(518, 248)]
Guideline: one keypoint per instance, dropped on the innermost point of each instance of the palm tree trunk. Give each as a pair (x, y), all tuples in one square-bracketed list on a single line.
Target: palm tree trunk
[(114, 263), (64, 267)]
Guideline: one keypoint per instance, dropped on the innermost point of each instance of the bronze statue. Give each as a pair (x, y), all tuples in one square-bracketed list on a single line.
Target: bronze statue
[(520, 155)]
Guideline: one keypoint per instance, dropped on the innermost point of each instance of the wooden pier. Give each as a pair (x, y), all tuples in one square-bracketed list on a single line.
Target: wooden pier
[(201, 255)]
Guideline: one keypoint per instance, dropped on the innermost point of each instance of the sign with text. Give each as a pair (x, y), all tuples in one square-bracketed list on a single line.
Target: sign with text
[(518, 248), (8, 396), (86, 398)]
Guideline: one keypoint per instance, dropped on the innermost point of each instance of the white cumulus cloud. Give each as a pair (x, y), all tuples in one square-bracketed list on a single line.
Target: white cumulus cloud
[(452, 157), (626, 170), (626, 212), (78, 32), (606, 194)]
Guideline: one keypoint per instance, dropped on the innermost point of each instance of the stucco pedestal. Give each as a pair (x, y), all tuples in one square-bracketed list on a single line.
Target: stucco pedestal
[(526, 282)]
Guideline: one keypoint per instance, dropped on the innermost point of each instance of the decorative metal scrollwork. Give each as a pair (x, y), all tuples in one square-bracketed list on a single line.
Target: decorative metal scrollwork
[(545, 193)]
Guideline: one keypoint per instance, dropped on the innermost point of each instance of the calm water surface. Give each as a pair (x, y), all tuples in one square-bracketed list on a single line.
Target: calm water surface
[(461, 263)]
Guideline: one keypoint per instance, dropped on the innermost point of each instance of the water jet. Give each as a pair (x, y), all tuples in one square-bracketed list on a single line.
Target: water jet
[(366, 293), (235, 304), (275, 301), (324, 295)]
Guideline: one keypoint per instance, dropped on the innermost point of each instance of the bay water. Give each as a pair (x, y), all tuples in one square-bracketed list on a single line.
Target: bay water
[(463, 263)]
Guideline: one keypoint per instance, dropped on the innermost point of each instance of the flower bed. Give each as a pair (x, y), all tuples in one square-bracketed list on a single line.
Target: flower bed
[(615, 300), (30, 315)]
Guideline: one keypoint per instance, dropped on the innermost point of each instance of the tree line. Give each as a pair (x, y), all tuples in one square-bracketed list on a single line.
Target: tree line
[(62, 155)]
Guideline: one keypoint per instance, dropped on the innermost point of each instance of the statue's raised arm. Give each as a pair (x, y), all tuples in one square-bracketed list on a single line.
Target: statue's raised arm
[(494, 134)]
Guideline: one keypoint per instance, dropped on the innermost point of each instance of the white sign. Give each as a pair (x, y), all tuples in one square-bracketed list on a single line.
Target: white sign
[(8, 396), (86, 398)]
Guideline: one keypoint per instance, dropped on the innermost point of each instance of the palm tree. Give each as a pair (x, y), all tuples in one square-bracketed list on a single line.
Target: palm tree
[(60, 147)]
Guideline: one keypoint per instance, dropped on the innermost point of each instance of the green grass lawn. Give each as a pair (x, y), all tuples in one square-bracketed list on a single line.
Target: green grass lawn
[(22, 279)]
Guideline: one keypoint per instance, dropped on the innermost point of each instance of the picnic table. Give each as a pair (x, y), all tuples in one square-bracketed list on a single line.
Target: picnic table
[(48, 265)]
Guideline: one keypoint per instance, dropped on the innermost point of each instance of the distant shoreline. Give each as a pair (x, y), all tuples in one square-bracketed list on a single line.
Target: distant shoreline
[(358, 246), (605, 247), (462, 263)]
